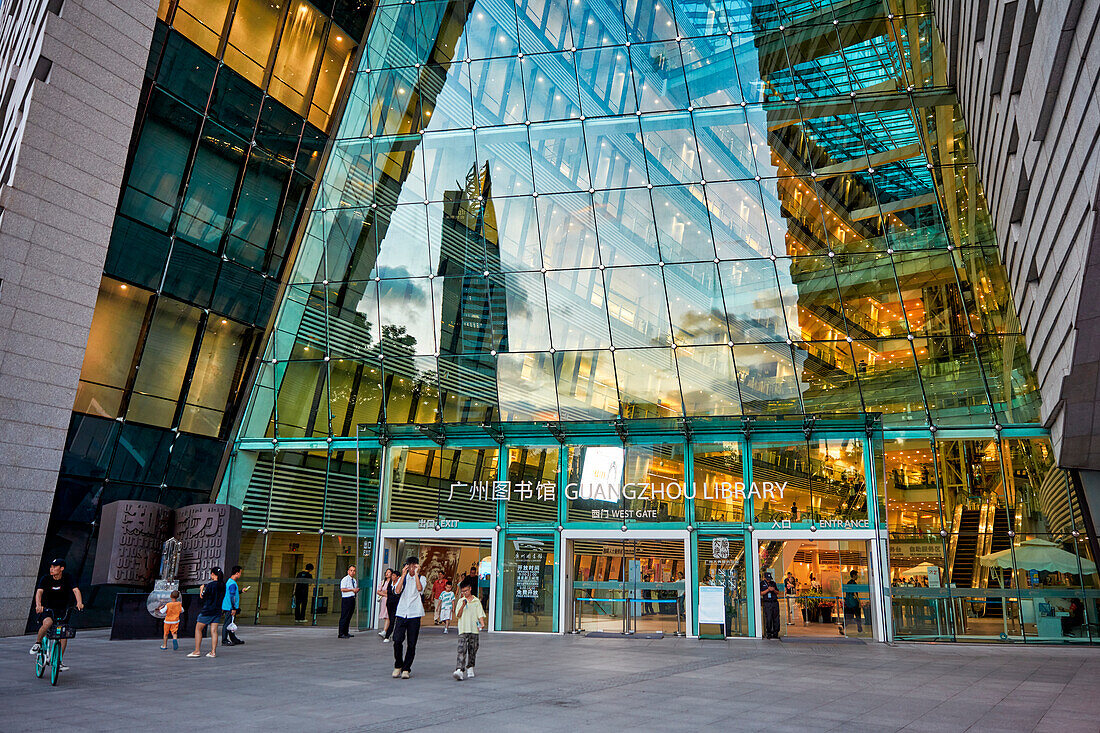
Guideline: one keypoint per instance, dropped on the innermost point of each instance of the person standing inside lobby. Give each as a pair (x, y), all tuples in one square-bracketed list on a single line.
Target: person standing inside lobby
[(301, 593), (852, 606), (769, 605), (349, 587), (790, 590), (406, 623)]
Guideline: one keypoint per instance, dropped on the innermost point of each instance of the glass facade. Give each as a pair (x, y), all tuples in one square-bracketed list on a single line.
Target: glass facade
[(226, 149), (656, 293), (606, 304)]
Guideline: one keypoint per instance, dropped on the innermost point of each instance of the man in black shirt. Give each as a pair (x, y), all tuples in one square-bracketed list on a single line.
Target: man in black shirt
[(301, 593), (769, 605), (53, 595)]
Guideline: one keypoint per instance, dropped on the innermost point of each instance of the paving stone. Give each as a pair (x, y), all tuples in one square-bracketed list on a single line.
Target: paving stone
[(305, 678)]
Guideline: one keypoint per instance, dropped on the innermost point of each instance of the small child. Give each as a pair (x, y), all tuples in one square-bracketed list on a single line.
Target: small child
[(469, 613), (172, 611), (446, 604)]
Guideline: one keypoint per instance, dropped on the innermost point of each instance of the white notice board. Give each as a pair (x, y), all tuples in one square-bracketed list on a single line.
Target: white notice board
[(712, 606)]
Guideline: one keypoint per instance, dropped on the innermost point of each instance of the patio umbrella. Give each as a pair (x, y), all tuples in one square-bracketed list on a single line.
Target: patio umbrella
[(1039, 555), (918, 570)]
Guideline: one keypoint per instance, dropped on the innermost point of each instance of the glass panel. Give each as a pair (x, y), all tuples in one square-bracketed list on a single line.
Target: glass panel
[(527, 387), (837, 486), (718, 473), (615, 153), (558, 153), (754, 309), (722, 564), (251, 36), (608, 87), (767, 378), (780, 486), (334, 67), (153, 186), (204, 215), (550, 84), (202, 21), (578, 318), (164, 362), (695, 303), (708, 380), (647, 383), (533, 473), (298, 50), (683, 227), (659, 76), (120, 311), (586, 385), (624, 221), (653, 483), (218, 373), (671, 154), (544, 25), (497, 88), (528, 583), (507, 158), (637, 307)]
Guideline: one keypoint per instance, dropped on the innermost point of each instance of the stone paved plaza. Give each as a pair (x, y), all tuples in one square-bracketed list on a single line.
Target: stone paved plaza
[(305, 679)]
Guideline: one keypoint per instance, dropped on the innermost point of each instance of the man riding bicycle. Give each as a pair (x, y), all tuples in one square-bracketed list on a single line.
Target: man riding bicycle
[(52, 597)]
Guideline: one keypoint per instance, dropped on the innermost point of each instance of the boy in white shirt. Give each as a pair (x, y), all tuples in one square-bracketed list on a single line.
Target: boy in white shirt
[(445, 605), (470, 615)]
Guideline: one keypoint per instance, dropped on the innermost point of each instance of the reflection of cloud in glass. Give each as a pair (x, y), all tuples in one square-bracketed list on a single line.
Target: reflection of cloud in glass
[(408, 304)]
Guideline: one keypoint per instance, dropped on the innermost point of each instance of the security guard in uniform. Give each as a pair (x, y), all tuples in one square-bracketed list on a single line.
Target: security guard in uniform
[(769, 605)]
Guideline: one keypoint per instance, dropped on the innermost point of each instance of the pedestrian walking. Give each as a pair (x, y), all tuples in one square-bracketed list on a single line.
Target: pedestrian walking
[(383, 607), (410, 610), (446, 604), (231, 606), (769, 605), (211, 596), (392, 599), (437, 588), (301, 593), (349, 588), (470, 614), (172, 611)]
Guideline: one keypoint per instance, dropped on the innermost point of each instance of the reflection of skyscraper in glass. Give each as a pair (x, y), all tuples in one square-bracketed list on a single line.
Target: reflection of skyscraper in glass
[(474, 318), (473, 314)]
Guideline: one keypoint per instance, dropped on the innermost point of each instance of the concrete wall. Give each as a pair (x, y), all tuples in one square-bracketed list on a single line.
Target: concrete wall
[(72, 73), (1026, 73)]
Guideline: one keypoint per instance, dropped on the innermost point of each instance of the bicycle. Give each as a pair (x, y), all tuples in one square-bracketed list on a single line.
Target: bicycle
[(49, 654)]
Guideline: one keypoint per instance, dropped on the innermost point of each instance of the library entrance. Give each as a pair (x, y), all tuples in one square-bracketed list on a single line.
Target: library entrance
[(627, 586), (824, 587)]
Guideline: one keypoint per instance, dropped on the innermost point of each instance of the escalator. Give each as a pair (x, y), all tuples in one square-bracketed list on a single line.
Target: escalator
[(964, 546), (999, 540)]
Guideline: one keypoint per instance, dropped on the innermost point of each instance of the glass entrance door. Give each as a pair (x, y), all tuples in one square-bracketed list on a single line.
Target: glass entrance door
[(629, 586), (823, 586)]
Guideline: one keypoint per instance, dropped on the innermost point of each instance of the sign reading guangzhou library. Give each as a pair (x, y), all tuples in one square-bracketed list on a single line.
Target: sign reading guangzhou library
[(614, 492)]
